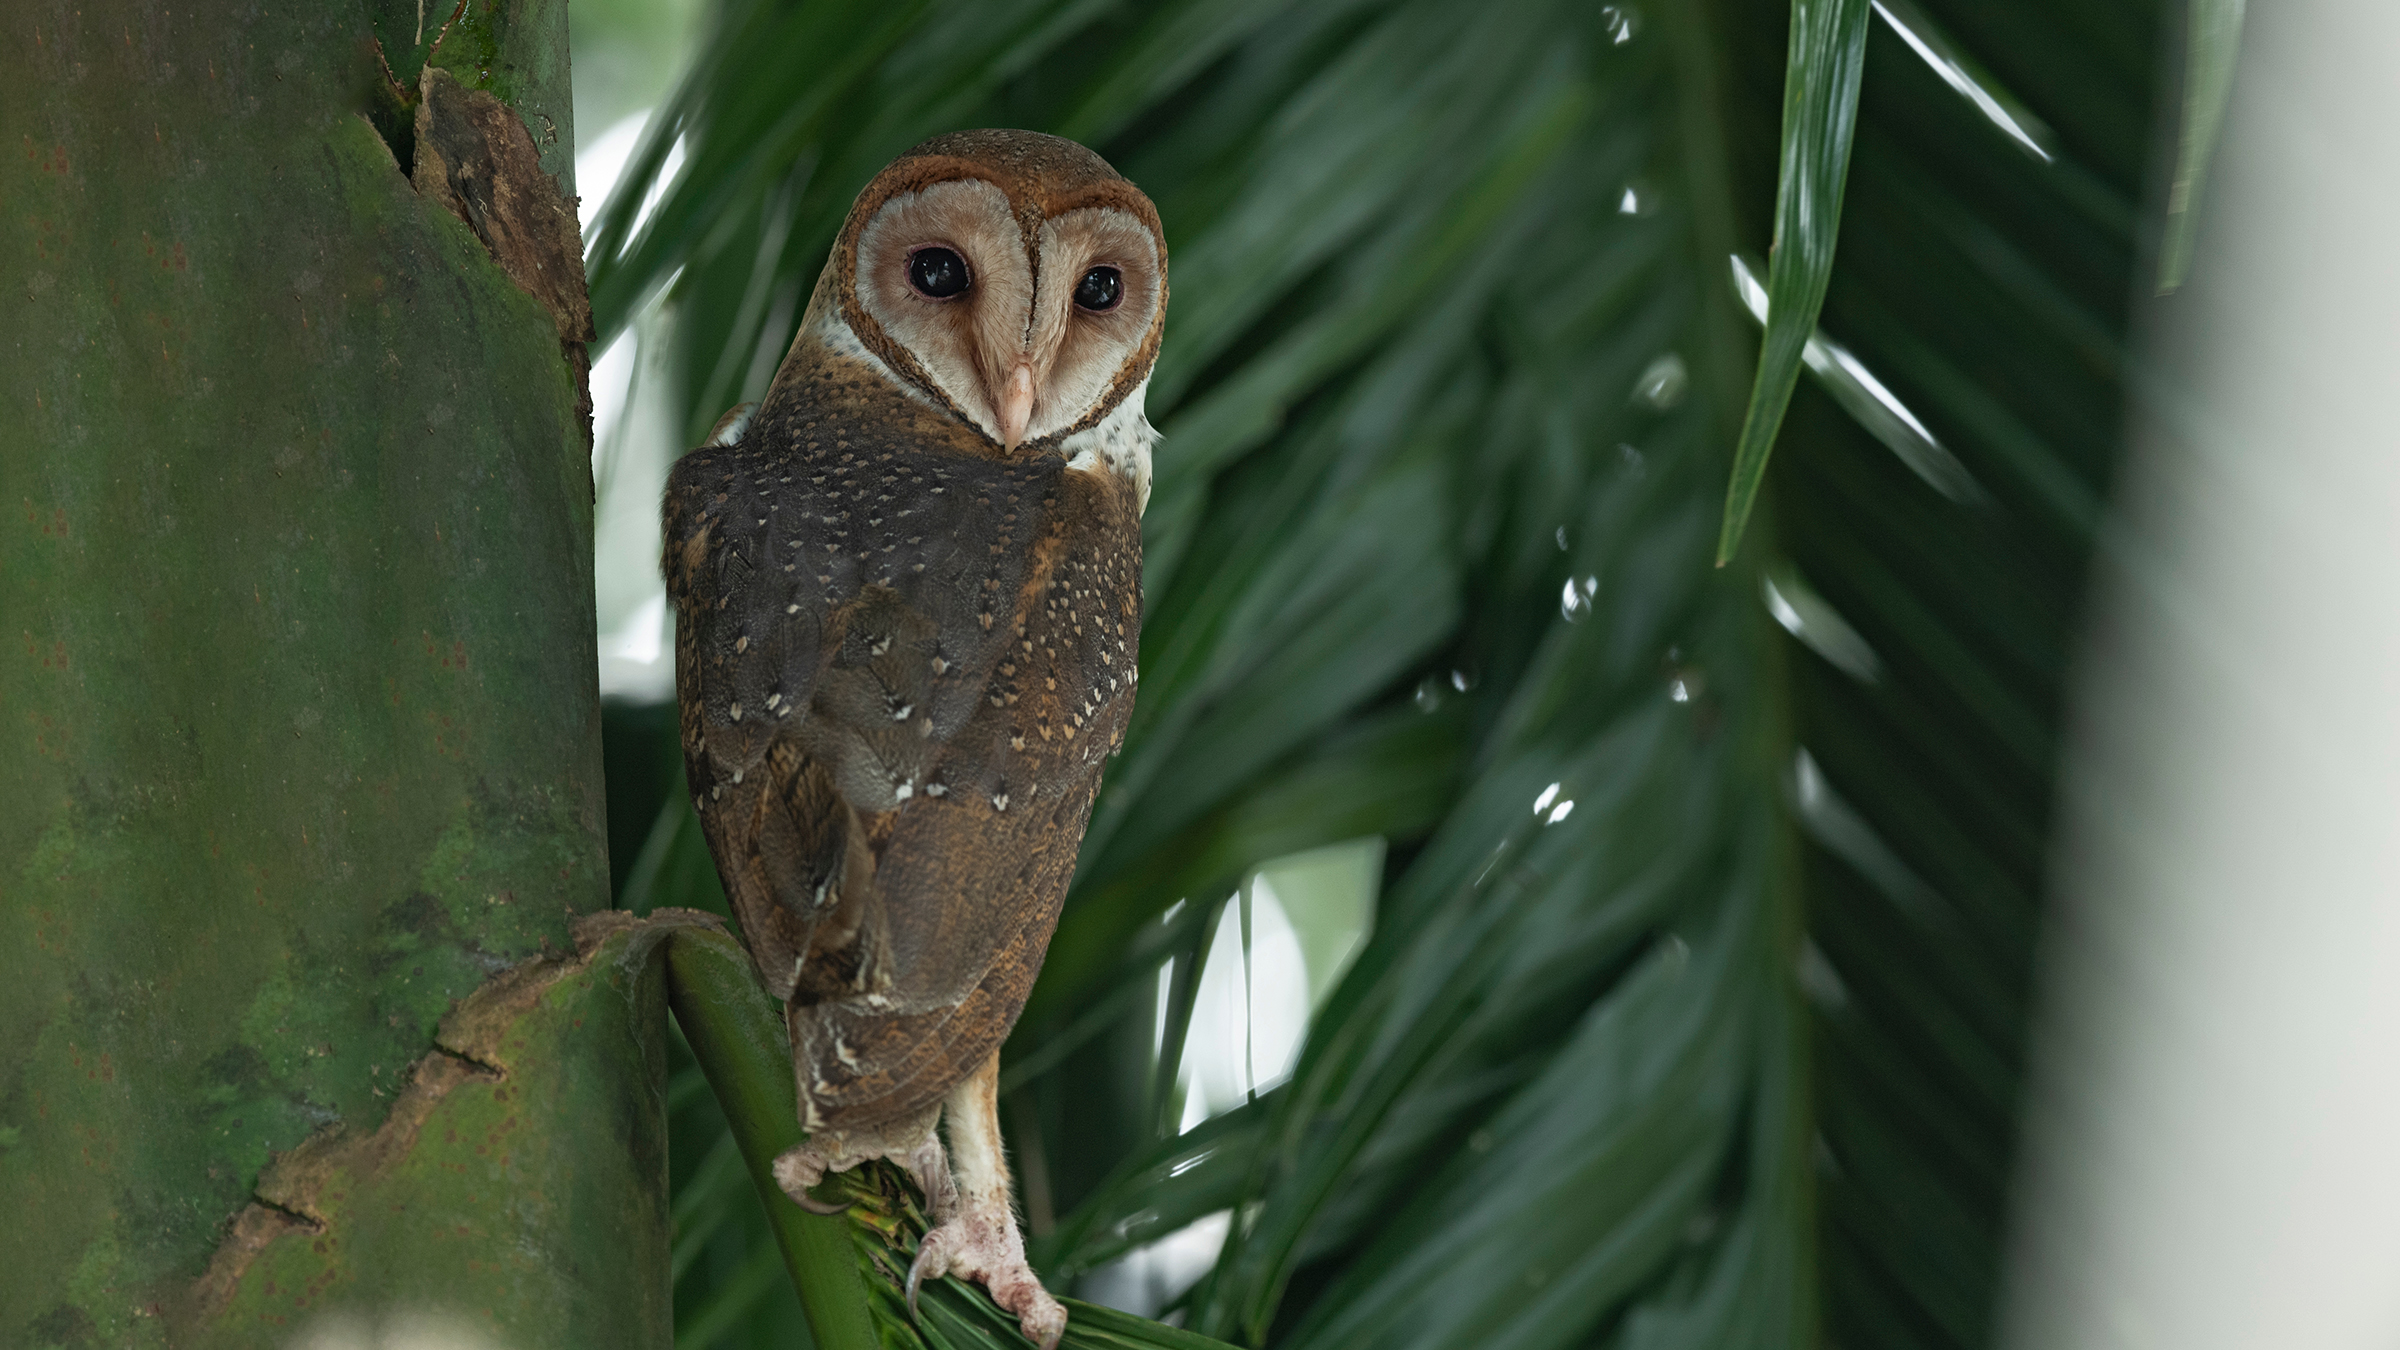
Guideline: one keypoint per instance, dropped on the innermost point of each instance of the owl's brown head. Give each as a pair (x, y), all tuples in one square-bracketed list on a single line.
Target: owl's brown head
[(1011, 276)]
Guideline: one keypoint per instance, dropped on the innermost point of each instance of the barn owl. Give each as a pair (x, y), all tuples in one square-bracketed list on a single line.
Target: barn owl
[(908, 603)]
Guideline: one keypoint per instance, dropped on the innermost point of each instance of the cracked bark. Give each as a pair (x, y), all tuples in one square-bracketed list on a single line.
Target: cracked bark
[(484, 1042)]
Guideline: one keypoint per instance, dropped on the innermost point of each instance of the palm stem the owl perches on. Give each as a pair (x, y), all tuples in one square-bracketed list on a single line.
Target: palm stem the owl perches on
[(908, 602)]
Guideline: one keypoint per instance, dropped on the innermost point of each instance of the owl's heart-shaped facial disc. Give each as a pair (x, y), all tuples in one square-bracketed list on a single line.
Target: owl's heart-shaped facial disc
[(1020, 284)]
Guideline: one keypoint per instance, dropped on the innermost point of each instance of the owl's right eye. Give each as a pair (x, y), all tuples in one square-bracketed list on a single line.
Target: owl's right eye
[(938, 273)]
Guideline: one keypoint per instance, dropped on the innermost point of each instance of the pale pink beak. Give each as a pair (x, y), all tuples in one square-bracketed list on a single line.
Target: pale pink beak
[(1016, 404)]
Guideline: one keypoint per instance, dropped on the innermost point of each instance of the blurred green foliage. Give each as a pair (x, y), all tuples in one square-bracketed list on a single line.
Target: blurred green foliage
[(628, 55), (1694, 1011)]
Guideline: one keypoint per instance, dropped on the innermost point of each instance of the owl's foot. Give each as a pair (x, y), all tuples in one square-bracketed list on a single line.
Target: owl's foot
[(981, 1244), (798, 1169)]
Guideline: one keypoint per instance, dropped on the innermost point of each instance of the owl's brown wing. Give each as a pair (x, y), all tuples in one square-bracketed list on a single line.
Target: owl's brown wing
[(900, 665)]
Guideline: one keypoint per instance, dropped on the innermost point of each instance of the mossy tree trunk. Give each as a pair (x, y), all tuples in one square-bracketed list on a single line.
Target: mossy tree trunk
[(308, 1016)]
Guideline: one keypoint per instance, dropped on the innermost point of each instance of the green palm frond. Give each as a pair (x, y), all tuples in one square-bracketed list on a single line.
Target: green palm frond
[(1694, 1008)]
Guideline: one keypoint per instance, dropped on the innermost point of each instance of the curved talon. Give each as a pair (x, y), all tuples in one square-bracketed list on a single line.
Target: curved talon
[(815, 1206), (931, 1170), (916, 1273)]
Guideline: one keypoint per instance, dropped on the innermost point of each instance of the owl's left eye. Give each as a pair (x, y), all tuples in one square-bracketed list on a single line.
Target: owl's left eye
[(1100, 289)]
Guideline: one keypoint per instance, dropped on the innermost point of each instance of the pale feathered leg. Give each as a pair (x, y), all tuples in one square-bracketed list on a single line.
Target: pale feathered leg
[(979, 1240)]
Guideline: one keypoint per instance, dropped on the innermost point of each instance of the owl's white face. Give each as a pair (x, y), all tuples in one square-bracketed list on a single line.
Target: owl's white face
[(1024, 346)]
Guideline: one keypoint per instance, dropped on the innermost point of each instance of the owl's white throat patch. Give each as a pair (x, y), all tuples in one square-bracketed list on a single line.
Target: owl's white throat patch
[(1120, 441)]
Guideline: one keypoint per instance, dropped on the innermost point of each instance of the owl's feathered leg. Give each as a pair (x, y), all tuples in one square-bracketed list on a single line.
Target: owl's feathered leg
[(979, 1240)]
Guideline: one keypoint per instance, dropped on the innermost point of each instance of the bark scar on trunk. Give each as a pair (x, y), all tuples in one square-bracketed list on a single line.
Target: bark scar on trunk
[(469, 1047), (475, 157)]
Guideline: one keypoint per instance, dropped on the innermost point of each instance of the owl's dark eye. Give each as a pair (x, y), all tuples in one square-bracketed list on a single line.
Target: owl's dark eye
[(1100, 289), (938, 273)]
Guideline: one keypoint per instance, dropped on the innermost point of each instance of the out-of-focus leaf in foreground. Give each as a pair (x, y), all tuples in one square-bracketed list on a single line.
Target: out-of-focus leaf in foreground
[(2212, 39), (1693, 1008)]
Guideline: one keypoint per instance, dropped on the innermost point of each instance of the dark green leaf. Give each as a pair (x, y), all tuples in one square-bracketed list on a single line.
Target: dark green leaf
[(1820, 110)]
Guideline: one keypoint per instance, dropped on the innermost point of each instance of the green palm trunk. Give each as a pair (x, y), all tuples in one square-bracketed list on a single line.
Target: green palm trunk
[(302, 740)]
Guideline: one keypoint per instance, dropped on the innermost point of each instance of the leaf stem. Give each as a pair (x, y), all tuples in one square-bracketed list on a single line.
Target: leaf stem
[(744, 1051)]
